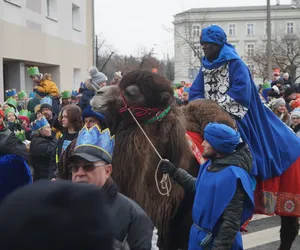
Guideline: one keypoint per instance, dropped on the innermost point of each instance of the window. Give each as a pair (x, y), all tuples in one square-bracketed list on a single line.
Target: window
[(196, 31), (250, 29), (76, 17), (197, 51), (76, 78), (14, 2), (232, 30), (290, 28), (250, 49), (52, 9)]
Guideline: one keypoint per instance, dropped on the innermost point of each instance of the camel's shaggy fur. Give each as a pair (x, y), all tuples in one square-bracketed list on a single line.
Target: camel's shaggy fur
[(200, 112)]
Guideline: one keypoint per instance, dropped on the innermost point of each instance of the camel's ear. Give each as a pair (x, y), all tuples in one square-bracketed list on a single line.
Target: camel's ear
[(165, 98)]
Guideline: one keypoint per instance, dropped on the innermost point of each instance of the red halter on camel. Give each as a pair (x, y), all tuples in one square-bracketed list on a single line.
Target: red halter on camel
[(142, 112)]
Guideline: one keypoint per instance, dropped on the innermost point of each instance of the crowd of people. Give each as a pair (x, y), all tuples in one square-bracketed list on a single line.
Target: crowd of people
[(44, 139), (55, 136)]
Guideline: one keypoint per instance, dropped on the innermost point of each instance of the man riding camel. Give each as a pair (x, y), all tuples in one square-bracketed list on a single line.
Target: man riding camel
[(225, 79)]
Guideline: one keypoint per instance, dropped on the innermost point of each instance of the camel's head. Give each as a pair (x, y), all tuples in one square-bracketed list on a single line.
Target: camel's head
[(138, 89), (107, 99)]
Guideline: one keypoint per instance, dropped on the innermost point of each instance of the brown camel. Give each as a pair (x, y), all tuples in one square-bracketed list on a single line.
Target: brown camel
[(134, 160), (149, 96)]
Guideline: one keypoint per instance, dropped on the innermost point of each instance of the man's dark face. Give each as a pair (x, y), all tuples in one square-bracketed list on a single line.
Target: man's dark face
[(47, 113), (211, 51)]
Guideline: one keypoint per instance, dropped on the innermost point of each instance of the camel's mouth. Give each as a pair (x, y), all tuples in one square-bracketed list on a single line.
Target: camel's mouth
[(100, 107)]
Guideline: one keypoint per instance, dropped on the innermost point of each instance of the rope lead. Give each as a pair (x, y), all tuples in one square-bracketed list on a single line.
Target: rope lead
[(165, 183)]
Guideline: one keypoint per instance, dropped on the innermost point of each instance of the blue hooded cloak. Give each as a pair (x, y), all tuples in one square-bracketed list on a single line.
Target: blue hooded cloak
[(14, 173)]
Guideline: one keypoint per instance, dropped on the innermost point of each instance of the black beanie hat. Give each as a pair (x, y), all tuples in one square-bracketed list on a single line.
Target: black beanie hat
[(55, 215), (46, 106)]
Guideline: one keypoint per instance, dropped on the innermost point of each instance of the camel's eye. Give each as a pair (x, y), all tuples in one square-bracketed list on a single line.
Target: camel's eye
[(132, 91), (129, 95)]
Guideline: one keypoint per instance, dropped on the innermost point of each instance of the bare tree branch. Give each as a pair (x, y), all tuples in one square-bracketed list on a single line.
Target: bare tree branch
[(286, 56), (190, 36)]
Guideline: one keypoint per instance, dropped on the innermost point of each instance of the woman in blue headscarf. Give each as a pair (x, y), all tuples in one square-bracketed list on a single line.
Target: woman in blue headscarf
[(225, 79)]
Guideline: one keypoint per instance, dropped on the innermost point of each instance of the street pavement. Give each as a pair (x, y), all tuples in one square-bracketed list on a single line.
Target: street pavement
[(263, 234)]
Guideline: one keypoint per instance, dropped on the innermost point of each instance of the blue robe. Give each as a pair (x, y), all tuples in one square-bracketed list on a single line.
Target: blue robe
[(14, 173), (274, 146), (210, 204)]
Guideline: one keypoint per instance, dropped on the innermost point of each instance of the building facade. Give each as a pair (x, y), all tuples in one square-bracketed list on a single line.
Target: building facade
[(55, 35), (246, 28)]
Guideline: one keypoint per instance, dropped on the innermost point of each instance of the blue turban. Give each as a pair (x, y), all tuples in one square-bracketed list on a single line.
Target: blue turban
[(89, 112), (221, 137), (213, 34), (216, 35)]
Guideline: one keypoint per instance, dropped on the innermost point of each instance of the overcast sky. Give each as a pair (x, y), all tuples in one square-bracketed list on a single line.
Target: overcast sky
[(129, 25)]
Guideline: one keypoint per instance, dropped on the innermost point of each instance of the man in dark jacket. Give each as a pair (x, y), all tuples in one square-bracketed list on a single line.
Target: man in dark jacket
[(227, 202), (91, 163)]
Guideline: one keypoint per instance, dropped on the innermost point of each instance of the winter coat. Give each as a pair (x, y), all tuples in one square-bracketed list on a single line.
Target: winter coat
[(63, 171), (288, 82), (296, 129), (87, 95), (47, 87), (32, 104), (41, 152), (10, 144), (132, 227)]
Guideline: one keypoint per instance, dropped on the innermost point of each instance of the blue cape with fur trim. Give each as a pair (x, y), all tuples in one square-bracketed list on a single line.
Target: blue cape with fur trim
[(14, 173)]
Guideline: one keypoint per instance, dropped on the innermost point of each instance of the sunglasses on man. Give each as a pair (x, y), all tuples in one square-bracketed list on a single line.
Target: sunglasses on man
[(87, 167)]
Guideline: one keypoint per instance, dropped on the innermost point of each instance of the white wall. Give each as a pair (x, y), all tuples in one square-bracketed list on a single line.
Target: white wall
[(61, 26), (30, 38)]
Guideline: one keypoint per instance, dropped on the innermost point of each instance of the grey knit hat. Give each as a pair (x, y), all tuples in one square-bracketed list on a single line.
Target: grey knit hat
[(295, 113), (96, 76), (278, 102)]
